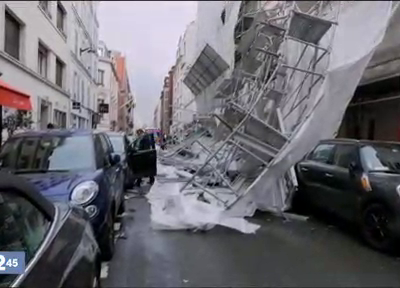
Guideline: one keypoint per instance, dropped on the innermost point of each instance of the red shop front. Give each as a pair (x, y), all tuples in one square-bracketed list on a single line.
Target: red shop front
[(12, 98)]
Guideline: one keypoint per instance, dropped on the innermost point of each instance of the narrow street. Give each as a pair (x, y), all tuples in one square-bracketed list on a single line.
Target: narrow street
[(295, 254)]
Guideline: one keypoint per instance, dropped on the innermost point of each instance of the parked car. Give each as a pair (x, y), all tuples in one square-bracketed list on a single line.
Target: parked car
[(358, 181), (120, 143), (58, 240), (72, 166)]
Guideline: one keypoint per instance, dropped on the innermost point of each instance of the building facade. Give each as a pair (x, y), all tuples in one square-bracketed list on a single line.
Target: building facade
[(164, 106), (156, 116), (167, 96), (184, 106), (40, 54), (83, 61), (108, 88), (374, 110), (126, 101)]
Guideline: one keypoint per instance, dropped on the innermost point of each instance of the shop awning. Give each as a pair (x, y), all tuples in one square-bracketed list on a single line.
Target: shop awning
[(11, 97)]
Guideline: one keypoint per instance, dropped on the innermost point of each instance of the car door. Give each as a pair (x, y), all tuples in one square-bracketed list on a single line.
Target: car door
[(50, 245), (125, 162), (312, 171), (119, 170), (113, 170), (102, 163), (344, 186), (142, 162)]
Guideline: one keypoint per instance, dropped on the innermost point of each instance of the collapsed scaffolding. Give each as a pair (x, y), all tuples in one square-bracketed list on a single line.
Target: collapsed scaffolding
[(253, 131), (282, 56)]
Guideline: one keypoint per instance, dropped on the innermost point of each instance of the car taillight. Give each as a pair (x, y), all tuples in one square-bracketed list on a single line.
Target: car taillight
[(365, 182)]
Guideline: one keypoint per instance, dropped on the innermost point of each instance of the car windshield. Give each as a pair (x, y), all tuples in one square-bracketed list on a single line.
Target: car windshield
[(47, 154), (117, 143), (381, 157)]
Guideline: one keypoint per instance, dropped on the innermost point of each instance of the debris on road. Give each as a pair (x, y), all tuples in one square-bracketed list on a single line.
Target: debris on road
[(172, 210)]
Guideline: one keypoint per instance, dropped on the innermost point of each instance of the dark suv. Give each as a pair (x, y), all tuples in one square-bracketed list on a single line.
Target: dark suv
[(358, 181)]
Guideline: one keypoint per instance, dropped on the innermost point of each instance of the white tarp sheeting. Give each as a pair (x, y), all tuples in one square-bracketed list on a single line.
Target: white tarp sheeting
[(172, 210), (361, 29)]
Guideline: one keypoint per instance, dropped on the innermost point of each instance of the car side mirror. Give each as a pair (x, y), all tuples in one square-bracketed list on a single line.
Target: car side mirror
[(115, 159)]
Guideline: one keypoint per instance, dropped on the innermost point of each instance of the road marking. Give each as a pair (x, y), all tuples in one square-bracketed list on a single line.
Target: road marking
[(104, 270)]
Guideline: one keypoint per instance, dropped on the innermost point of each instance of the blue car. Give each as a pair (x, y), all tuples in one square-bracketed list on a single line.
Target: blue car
[(75, 166)]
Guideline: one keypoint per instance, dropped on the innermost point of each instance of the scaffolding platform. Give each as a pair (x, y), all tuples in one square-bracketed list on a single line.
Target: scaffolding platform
[(271, 29), (308, 28), (254, 126), (250, 141)]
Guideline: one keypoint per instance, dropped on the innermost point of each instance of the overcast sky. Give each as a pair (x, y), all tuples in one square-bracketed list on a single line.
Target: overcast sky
[(147, 33)]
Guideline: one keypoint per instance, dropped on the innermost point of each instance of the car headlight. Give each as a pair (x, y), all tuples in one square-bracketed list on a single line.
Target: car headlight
[(84, 193), (398, 190)]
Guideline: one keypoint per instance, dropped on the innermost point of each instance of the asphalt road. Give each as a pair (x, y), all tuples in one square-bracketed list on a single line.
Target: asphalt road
[(295, 254)]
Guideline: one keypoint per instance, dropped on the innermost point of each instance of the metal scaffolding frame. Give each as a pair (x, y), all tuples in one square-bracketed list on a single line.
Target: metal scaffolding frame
[(257, 96)]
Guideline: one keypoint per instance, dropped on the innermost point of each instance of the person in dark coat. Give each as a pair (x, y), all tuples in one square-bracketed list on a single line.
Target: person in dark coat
[(144, 163)]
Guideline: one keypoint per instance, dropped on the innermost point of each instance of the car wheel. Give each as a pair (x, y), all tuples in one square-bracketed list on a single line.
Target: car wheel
[(300, 201), (121, 208), (107, 249), (376, 220), (97, 279)]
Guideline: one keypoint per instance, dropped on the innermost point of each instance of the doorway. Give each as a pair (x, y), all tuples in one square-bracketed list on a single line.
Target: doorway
[(44, 115)]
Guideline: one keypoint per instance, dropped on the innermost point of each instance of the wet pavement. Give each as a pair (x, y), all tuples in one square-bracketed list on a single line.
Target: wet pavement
[(295, 253)]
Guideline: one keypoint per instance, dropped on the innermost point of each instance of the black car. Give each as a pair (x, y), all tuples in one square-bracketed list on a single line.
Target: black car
[(120, 143), (58, 240), (358, 181)]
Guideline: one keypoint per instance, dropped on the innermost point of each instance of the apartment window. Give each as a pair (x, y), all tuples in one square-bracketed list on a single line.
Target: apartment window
[(60, 119), (223, 16), (83, 93), (100, 74), (76, 42), (45, 7), (43, 54), (95, 70), (12, 35), (60, 17), (59, 72), (76, 86), (88, 97)]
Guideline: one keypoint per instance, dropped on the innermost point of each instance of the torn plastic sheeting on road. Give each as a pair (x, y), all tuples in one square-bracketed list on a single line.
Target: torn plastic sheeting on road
[(172, 210), (166, 171)]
